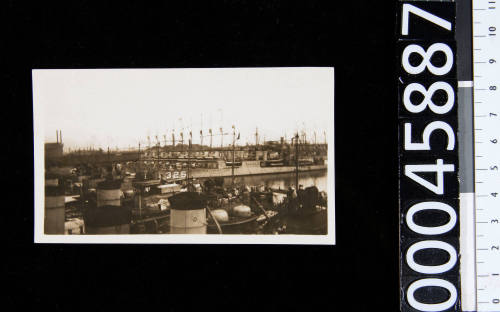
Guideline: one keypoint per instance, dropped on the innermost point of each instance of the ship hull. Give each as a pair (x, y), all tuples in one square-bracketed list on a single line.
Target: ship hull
[(247, 168)]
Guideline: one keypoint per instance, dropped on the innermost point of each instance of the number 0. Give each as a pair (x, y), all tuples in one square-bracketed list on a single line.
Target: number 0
[(431, 282)]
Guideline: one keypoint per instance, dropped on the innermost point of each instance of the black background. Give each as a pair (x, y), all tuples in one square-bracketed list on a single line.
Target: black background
[(360, 273)]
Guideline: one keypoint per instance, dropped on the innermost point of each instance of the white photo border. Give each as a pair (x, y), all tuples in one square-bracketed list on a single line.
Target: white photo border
[(253, 239)]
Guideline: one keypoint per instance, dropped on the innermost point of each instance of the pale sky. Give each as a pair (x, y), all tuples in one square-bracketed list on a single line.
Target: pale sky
[(120, 107)]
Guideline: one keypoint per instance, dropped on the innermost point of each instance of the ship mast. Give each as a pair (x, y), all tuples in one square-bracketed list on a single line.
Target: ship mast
[(210, 131), (297, 161), (221, 138), (182, 141), (158, 153), (201, 140), (201, 132), (221, 133), (139, 154), (189, 158), (173, 139), (232, 164), (256, 137)]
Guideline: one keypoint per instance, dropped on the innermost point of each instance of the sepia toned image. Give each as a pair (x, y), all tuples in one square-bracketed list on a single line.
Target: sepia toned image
[(219, 155)]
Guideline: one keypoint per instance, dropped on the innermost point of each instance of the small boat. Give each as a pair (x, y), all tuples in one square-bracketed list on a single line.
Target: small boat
[(233, 222)]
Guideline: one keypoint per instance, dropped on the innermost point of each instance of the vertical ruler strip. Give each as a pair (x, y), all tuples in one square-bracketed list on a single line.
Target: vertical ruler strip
[(428, 156), (486, 55)]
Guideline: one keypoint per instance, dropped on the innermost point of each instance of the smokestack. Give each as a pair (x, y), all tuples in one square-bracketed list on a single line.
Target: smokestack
[(57, 136), (60, 136)]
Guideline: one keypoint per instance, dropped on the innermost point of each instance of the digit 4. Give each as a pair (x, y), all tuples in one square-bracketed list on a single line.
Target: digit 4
[(439, 168)]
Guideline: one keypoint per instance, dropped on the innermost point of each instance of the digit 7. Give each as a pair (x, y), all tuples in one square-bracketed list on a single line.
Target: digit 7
[(409, 8)]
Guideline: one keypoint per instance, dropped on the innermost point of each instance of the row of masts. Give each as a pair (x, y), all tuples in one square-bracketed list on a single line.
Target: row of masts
[(173, 141)]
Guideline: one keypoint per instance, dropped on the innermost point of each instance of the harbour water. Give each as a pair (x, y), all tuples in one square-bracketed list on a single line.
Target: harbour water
[(284, 180)]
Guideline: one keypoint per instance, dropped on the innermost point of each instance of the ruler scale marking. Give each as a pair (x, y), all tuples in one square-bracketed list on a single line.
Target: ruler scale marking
[(486, 48)]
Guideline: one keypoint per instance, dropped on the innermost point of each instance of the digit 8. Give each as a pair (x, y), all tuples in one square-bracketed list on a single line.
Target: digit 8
[(427, 101), (426, 61)]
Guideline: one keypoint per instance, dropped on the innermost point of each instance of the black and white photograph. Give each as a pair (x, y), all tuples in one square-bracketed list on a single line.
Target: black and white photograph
[(251, 155), (174, 155)]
